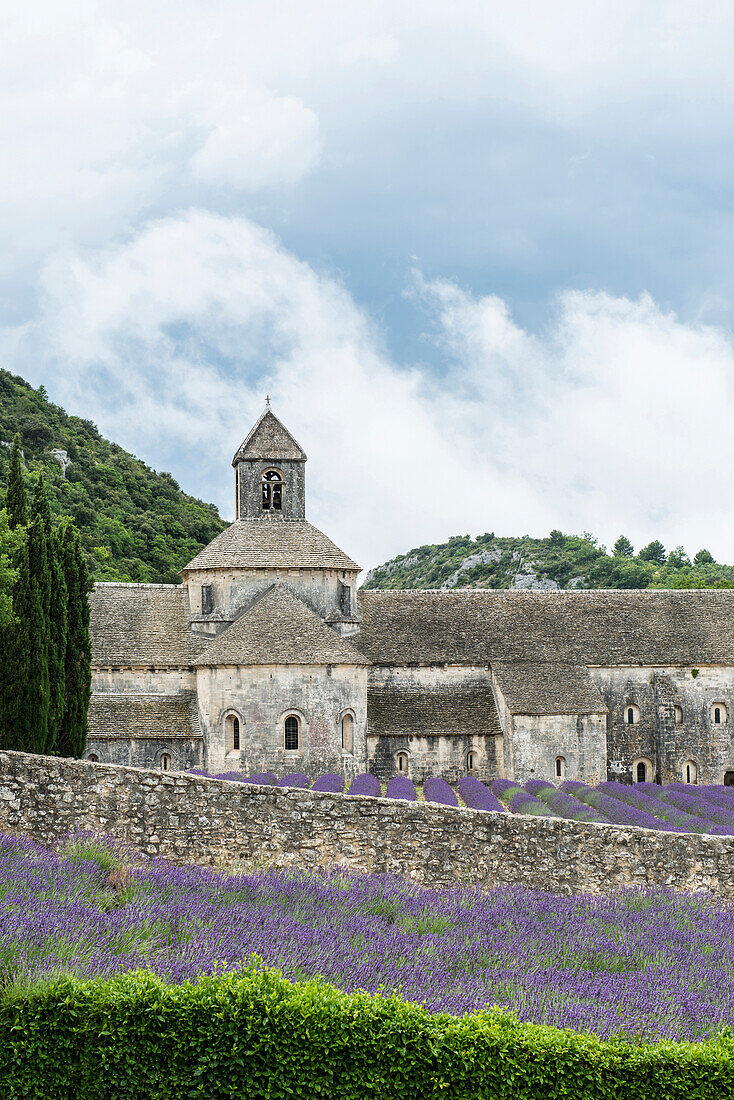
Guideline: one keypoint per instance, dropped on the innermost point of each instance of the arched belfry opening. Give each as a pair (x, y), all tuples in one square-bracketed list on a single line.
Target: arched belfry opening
[(270, 473)]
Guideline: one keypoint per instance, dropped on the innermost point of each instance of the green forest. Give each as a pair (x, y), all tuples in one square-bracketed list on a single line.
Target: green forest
[(568, 561), (135, 524)]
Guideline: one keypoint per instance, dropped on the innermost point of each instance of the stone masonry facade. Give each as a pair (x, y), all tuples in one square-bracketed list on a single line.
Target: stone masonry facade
[(229, 825), (268, 658)]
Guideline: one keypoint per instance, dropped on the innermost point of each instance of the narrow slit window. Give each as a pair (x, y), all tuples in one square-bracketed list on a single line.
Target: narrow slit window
[(402, 762), (348, 733), (235, 733), (207, 599), (165, 762), (560, 767), (291, 732), (471, 762)]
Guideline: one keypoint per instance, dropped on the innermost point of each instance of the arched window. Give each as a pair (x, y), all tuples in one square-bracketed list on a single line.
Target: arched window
[(560, 767), (93, 757), (679, 716), (718, 714), (347, 733), (232, 727), (291, 732), (632, 715), (642, 770), (402, 763), (165, 762), (472, 761), (272, 491), (690, 772)]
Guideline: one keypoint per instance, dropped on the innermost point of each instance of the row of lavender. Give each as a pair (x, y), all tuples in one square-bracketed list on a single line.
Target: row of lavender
[(644, 964), (675, 808)]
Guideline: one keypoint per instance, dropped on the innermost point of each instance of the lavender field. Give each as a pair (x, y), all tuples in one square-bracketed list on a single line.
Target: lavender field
[(640, 963), (677, 808)]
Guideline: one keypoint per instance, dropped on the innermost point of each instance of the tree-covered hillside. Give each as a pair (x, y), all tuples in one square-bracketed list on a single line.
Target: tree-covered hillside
[(559, 561), (135, 524)]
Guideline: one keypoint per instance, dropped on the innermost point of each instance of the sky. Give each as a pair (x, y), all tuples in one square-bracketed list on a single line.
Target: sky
[(480, 255)]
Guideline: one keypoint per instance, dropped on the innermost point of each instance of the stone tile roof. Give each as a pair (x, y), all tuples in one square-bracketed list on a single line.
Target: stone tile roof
[(141, 624), (161, 717), (271, 544), (548, 688), (278, 629), (401, 708), (269, 439), (610, 627)]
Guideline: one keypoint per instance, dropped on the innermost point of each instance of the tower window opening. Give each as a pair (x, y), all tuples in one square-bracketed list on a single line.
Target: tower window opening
[(678, 716), (291, 732), (690, 772), (402, 762), (207, 599), (560, 767), (272, 491)]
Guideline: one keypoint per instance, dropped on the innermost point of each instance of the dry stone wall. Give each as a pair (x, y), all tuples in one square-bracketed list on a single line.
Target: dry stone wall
[(193, 819)]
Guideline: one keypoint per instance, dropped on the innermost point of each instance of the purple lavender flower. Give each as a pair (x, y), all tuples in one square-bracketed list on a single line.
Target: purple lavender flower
[(648, 963), (264, 779), (565, 805), (477, 796), (296, 779), (519, 800), (615, 811), (438, 790), (365, 784), (330, 782), (401, 787)]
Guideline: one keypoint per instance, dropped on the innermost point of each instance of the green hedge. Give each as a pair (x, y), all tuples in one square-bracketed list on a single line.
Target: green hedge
[(256, 1035)]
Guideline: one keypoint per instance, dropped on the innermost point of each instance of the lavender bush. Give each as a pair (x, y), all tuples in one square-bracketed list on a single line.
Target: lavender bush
[(519, 800), (477, 796), (565, 805), (264, 779), (296, 779), (615, 811), (646, 796), (365, 784), (401, 787), (438, 790), (330, 782), (644, 964), (693, 802)]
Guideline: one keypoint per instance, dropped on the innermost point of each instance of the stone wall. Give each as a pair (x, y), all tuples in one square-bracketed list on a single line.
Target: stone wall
[(188, 818)]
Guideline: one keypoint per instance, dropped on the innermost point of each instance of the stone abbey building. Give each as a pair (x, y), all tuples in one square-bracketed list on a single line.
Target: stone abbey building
[(268, 658)]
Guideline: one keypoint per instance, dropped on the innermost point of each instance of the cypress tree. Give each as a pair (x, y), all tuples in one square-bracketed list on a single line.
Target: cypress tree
[(16, 500), (72, 735), (39, 637), (56, 611), (25, 688)]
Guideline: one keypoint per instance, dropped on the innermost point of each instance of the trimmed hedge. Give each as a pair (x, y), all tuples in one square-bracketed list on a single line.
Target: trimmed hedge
[(254, 1034)]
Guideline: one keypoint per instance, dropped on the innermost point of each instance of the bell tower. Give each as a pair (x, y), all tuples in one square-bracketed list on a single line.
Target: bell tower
[(270, 473)]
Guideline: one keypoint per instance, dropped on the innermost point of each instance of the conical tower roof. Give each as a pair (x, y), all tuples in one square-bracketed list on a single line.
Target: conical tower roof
[(270, 440)]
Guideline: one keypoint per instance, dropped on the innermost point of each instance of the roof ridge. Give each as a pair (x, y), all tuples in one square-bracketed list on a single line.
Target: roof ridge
[(283, 448)]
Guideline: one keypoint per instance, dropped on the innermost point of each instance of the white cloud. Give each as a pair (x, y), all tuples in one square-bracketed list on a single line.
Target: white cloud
[(615, 418)]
